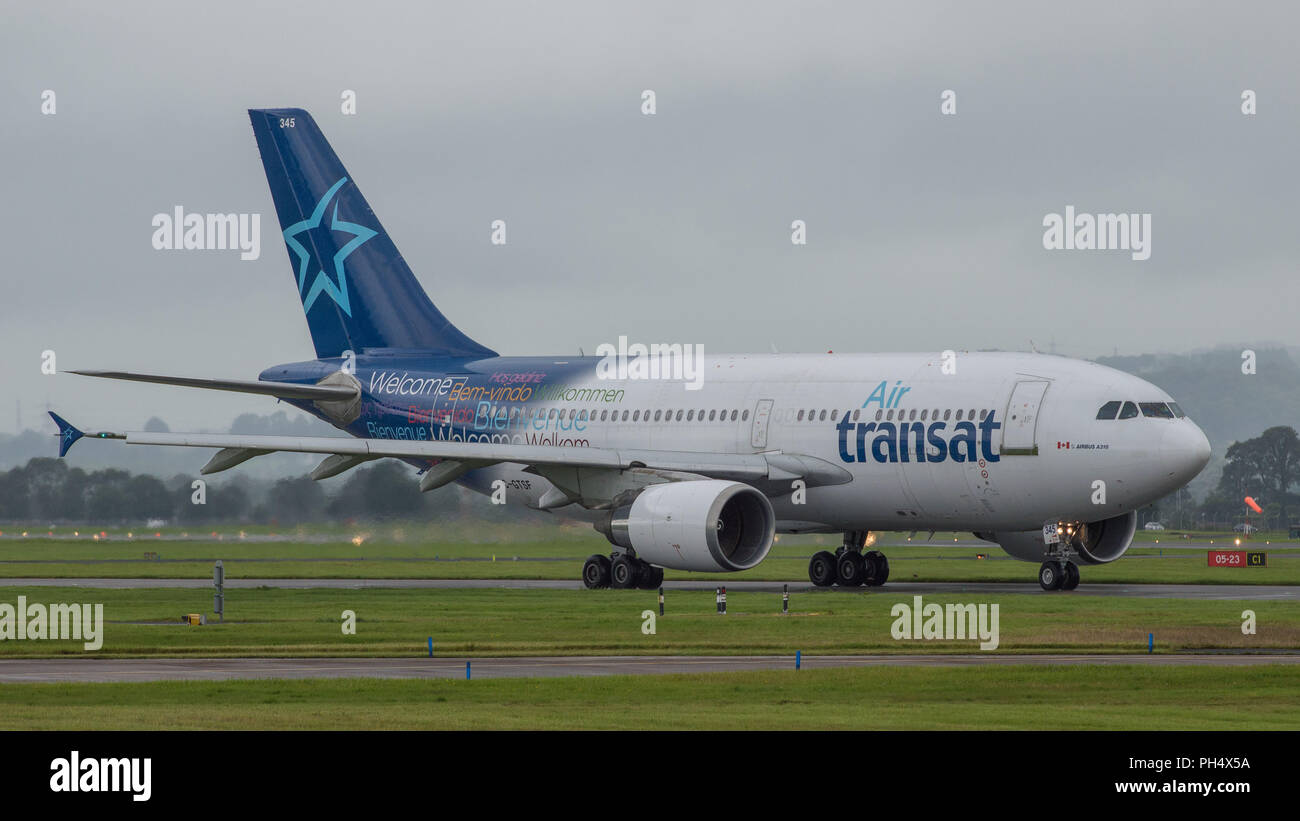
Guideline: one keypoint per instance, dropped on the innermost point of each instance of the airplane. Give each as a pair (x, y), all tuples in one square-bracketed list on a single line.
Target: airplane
[(1046, 456)]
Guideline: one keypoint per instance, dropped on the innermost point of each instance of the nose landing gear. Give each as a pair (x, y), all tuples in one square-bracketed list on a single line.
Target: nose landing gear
[(1058, 572), (849, 566)]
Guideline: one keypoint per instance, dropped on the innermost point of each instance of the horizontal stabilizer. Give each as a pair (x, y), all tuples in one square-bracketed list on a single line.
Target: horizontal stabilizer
[(282, 390)]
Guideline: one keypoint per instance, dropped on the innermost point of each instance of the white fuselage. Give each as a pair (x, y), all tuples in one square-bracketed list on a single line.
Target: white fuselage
[(1043, 456)]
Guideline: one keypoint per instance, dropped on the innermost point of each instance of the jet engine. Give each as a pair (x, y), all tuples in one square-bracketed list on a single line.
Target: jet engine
[(705, 524), (1095, 542)]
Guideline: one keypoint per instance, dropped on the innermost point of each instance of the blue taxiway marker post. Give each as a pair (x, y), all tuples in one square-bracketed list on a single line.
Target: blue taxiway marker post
[(797, 658), (430, 646), (467, 671), (1151, 642)]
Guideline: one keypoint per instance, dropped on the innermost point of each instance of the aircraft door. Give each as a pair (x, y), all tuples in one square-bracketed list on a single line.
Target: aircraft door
[(762, 416), (1020, 426)]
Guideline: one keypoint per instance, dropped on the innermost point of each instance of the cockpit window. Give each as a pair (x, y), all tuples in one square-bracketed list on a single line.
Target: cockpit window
[(1178, 412), (1128, 411), (1108, 410), (1156, 410)]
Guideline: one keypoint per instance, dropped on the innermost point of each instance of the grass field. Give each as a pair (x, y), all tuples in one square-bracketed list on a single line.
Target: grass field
[(488, 622), (1021, 698), (397, 553), (479, 623)]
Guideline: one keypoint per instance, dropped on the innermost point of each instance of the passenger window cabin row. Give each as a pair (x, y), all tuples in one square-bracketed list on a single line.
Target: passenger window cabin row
[(633, 415), (701, 415), (903, 415)]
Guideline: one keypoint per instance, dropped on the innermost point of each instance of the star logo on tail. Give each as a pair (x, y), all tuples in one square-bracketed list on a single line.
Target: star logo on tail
[(337, 288)]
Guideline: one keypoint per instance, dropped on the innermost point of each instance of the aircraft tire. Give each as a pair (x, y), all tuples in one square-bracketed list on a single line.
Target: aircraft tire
[(651, 577), (595, 572), (849, 569), (623, 573), (1071, 579), (1050, 575), (877, 568), (821, 568)]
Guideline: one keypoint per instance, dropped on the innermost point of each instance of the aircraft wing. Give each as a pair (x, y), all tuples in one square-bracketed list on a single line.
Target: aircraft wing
[(450, 460), (742, 465)]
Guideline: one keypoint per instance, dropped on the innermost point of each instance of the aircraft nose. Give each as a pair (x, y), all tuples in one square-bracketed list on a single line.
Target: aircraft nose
[(1185, 449)]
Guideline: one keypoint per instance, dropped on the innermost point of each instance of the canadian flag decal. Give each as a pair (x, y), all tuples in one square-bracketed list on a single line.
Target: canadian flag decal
[(1060, 445)]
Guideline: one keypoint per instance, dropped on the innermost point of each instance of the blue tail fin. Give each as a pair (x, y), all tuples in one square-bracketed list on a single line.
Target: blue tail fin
[(68, 435), (356, 289)]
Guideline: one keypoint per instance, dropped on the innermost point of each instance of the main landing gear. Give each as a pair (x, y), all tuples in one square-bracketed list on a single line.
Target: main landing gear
[(620, 571), (849, 566)]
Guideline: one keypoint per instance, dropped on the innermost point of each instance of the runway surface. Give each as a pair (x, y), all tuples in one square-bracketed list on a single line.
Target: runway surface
[(140, 670), (1252, 592)]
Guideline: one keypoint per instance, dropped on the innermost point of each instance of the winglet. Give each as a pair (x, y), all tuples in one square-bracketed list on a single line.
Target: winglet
[(68, 435)]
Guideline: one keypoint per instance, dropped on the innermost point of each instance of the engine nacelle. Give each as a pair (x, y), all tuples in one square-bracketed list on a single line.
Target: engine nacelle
[(707, 524), (1094, 542)]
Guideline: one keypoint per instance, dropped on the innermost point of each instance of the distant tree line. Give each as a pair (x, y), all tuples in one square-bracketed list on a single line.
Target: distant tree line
[(47, 490)]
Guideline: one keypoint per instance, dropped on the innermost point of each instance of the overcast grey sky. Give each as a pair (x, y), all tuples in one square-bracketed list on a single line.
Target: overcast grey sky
[(924, 231)]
